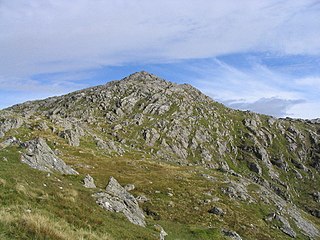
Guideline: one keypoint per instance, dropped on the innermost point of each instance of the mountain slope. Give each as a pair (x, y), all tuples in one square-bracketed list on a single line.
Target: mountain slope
[(185, 152)]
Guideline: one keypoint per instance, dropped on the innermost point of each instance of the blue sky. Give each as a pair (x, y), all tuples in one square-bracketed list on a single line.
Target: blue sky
[(254, 55)]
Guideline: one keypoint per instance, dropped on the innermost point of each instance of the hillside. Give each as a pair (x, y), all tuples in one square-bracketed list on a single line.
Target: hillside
[(188, 164)]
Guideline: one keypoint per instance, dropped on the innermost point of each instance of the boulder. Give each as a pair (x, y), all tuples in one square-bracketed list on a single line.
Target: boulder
[(286, 228), (88, 182), (116, 199), (237, 190), (231, 234), (216, 211), (160, 229), (73, 135), (110, 146), (151, 136), (10, 123), (40, 156)]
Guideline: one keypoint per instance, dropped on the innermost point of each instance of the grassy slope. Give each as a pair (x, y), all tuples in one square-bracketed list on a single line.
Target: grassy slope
[(62, 209)]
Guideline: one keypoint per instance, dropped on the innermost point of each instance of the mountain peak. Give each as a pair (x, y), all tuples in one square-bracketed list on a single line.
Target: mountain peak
[(143, 75), (143, 129), (140, 74)]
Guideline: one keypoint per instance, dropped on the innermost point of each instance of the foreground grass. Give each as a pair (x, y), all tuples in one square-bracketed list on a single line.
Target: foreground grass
[(19, 223), (35, 205)]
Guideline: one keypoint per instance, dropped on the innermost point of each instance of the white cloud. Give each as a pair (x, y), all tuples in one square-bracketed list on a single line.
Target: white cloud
[(307, 110), (271, 106), (56, 35), (311, 82)]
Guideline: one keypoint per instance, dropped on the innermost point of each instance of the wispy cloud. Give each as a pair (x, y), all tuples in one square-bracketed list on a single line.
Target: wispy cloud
[(256, 87), (225, 82)]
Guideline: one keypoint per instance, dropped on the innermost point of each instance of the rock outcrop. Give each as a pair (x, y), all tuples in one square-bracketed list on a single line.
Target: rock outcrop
[(284, 224), (9, 142), (88, 182), (40, 156), (9, 123), (73, 135), (116, 199)]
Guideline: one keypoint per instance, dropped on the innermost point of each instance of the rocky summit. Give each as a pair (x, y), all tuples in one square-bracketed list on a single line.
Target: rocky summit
[(145, 158)]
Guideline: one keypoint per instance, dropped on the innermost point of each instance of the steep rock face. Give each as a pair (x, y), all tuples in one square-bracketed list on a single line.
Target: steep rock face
[(40, 156)]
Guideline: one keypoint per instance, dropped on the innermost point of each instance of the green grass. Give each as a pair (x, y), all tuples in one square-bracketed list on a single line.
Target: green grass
[(71, 208), (71, 211)]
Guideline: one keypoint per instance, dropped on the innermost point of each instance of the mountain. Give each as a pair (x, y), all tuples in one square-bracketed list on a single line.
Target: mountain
[(158, 160)]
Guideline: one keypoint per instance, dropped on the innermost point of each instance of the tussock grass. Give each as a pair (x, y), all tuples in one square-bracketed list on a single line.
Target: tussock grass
[(37, 225), (2, 182), (21, 189), (68, 195)]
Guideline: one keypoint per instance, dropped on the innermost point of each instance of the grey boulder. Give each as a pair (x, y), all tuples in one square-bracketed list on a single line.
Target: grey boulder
[(88, 182), (231, 234), (160, 229), (216, 211), (116, 199), (40, 156)]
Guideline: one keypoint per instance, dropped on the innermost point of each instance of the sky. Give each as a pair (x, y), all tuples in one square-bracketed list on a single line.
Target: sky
[(258, 55)]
